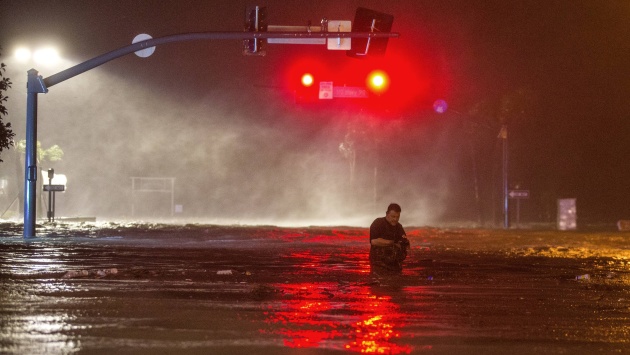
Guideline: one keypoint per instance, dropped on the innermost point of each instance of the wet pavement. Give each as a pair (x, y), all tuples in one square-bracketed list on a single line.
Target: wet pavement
[(160, 289)]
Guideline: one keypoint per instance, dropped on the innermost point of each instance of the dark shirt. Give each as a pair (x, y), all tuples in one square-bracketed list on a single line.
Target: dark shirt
[(380, 228)]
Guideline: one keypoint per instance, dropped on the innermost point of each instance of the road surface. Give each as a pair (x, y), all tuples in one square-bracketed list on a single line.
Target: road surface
[(103, 288)]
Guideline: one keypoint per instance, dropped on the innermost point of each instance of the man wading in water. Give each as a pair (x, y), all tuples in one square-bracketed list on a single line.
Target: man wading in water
[(388, 242)]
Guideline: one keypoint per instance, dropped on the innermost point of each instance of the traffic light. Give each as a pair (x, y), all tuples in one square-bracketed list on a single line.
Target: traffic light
[(366, 20), (307, 90), (255, 21), (307, 80), (311, 87), (377, 82)]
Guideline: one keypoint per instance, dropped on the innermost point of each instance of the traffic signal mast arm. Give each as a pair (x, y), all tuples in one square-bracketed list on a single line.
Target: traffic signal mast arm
[(369, 25), (314, 35), (102, 59), (323, 35), (36, 84)]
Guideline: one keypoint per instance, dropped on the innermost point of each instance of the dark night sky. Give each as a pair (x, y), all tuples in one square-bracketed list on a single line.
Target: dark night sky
[(223, 122)]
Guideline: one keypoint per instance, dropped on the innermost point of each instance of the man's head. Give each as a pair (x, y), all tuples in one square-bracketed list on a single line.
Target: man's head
[(393, 213)]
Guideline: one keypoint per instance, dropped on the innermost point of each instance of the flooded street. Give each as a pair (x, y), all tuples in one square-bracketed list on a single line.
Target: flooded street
[(157, 289)]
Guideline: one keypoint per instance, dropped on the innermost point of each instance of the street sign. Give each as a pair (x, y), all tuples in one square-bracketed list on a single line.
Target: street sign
[(143, 53), (339, 43), (325, 90), (331, 26), (355, 92), (54, 187), (518, 193), (567, 214)]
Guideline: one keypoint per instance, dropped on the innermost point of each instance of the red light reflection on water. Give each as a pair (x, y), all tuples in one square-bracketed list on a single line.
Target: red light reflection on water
[(378, 327), (354, 261), (326, 315), (300, 317)]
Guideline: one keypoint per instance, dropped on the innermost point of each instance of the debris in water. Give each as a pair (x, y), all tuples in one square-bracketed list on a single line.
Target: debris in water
[(73, 274), (84, 273), (262, 292)]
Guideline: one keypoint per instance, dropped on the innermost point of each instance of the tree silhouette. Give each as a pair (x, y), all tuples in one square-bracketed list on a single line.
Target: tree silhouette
[(489, 116), (6, 134)]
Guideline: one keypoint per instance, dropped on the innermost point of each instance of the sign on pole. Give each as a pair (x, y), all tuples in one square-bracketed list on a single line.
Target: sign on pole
[(567, 214), (54, 187), (355, 92), (339, 43), (518, 193), (325, 90)]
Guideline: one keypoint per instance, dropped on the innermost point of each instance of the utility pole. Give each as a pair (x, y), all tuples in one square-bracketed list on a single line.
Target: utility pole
[(503, 134)]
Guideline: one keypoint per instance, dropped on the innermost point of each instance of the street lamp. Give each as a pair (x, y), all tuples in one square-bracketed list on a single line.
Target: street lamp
[(43, 56), (23, 54), (46, 56)]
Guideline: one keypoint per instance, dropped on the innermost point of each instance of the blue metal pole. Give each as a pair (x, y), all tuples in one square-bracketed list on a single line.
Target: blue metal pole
[(30, 163), (34, 86), (506, 212)]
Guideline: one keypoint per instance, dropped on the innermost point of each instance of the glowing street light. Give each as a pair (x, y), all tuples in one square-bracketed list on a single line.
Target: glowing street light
[(46, 56), (23, 54), (43, 56)]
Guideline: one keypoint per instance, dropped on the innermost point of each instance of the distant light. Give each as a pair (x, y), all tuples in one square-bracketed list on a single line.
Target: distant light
[(23, 54), (440, 106), (307, 80), (46, 56)]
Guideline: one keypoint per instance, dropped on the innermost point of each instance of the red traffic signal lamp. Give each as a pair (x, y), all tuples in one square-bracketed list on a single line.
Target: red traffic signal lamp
[(307, 80), (375, 84), (307, 90)]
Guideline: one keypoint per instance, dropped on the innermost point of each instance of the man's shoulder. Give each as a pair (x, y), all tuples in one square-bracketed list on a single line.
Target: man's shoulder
[(378, 220)]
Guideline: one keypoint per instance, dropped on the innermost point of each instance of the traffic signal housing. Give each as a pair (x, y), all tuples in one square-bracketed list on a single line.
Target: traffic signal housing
[(307, 89), (366, 20), (255, 21)]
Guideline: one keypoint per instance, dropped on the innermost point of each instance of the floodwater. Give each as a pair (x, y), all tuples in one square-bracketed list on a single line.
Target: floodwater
[(102, 288)]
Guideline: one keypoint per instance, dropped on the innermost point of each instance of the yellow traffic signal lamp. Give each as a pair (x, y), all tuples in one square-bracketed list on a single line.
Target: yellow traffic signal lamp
[(377, 81)]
